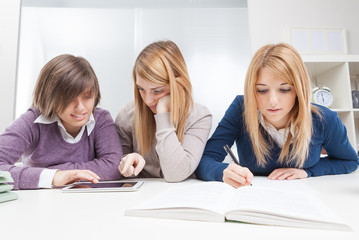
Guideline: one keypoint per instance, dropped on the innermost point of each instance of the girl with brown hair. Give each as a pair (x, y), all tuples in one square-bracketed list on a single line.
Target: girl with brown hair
[(63, 137)]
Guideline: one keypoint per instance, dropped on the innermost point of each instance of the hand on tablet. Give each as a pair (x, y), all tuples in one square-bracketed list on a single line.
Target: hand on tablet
[(63, 177), (131, 164)]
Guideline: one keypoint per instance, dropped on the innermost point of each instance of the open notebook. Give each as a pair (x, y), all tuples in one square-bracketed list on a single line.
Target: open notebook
[(281, 203)]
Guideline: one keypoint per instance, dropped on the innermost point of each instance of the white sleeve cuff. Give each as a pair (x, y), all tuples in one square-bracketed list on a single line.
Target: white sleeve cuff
[(46, 177)]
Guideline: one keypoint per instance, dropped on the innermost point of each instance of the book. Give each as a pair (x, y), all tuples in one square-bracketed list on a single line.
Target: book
[(8, 196), (269, 202), (5, 187), (5, 193), (5, 177)]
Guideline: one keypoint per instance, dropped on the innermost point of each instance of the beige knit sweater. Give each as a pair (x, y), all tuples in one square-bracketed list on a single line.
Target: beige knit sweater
[(168, 158)]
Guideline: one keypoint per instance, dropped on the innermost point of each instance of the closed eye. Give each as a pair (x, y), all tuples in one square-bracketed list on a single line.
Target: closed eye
[(262, 91), (285, 90), (157, 91), (87, 95)]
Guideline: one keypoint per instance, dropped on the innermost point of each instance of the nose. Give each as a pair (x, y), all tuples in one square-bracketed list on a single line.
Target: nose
[(273, 98), (149, 99), (79, 105)]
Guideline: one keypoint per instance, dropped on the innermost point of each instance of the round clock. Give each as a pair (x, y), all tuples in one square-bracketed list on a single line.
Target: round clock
[(322, 96)]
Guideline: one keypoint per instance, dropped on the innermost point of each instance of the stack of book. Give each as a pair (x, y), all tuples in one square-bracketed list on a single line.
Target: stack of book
[(5, 187)]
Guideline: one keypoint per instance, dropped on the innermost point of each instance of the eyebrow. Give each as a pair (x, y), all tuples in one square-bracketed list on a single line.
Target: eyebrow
[(89, 92), (262, 84), (150, 88)]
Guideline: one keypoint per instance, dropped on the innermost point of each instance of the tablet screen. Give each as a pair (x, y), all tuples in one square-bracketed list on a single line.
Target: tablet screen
[(104, 186)]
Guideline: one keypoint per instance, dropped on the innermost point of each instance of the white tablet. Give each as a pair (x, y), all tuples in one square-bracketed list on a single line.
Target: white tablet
[(104, 186)]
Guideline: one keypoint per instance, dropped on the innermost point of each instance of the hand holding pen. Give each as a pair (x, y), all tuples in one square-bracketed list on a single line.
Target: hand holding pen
[(234, 174)]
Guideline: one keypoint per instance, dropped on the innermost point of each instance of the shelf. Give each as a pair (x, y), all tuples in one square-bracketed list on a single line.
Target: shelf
[(315, 68), (340, 73), (342, 109), (356, 115), (330, 58)]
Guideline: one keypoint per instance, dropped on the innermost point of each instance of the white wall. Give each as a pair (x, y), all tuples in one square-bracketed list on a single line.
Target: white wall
[(268, 19), (103, 36), (9, 27), (214, 42), (215, 45)]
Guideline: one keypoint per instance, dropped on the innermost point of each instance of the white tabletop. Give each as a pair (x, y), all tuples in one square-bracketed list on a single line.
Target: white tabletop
[(51, 214)]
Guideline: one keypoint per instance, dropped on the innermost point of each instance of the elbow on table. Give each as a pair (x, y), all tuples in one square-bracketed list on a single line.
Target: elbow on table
[(351, 166), (180, 170), (354, 167), (173, 176)]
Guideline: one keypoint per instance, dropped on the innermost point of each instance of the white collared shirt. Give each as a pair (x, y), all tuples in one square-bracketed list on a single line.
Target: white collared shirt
[(65, 135), (47, 175), (279, 136)]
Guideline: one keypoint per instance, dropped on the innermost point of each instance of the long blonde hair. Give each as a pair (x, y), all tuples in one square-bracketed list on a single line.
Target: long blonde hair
[(285, 62), (161, 63)]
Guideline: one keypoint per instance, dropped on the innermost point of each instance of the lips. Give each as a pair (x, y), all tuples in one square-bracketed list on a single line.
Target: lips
[(273, 110), (78, 117)]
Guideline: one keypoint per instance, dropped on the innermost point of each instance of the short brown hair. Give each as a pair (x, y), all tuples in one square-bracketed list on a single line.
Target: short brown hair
[(60, 81)]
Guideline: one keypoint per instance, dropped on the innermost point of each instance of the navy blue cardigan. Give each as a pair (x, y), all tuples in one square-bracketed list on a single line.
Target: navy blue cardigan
[(328, 132)]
